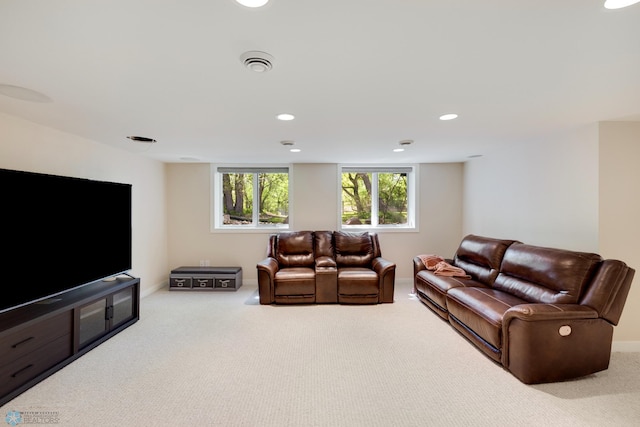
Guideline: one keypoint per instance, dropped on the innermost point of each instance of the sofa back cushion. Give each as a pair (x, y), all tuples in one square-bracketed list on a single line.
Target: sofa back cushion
[(607, 292), (295, 249), (480, 257), (324, 244), (353, 249), (546, 275)]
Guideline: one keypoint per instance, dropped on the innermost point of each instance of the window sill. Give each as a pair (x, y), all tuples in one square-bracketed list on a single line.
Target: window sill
[(384, 229), (250, 229)]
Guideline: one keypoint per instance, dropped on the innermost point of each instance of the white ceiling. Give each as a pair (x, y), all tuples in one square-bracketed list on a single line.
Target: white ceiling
[(360, 75)]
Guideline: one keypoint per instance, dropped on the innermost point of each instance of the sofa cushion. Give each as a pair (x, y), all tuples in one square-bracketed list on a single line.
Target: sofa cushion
[(295, 249), (435, 287), (546, 275), (295, 281), (480, 257), (353, 249), (481, 310), (358, 281)]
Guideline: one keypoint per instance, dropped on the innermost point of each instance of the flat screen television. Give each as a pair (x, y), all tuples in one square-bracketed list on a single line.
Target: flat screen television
[(59, 233)]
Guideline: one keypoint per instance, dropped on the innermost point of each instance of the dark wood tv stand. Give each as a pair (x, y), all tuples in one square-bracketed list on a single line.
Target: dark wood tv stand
[(41, 338)]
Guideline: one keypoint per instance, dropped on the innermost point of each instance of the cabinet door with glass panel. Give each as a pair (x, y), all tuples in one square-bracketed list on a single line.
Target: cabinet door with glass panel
[(97, 318)]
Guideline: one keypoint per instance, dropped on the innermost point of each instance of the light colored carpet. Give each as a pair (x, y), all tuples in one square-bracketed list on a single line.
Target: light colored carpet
[(220, 359)]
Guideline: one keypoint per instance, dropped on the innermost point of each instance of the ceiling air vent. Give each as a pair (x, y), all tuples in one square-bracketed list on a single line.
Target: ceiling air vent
[(257, 61), (142, 139)]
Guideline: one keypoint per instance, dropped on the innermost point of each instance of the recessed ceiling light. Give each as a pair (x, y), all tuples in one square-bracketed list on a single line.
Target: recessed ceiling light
[(295, 150), (285, 116), (253, 3), (398, 150), (619, 4), (448, 116)]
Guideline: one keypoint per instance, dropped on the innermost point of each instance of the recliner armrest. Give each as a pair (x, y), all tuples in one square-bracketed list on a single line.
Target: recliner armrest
[(386, 271), (553, 342), (267, 269), (548, 316), (268, 265), (382, 266), (326, 280), (541, 312)]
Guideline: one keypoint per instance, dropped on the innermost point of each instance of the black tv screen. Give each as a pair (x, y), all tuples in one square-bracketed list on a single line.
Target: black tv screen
[(60, 233)]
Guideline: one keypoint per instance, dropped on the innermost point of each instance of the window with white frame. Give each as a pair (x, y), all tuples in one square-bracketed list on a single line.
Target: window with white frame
[(377, 197), (251, 197)]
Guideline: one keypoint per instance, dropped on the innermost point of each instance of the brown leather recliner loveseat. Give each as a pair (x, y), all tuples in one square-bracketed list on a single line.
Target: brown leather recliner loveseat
[(544, 314), (306, 267)]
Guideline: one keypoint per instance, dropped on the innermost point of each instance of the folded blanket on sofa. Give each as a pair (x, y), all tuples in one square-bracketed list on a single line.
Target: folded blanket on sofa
[(430, 261), (440, 267)]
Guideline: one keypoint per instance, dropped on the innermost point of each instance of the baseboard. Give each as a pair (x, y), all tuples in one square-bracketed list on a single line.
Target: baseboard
[(404, 281), (626, 346), (148, 290), (249, 282)]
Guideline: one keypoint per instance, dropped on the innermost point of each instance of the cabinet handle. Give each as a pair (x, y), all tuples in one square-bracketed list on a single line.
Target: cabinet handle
[(108, 314), (18, 344), (15, 374)]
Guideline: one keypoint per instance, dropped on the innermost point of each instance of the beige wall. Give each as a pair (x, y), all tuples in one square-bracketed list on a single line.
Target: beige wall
[(545, 193), (314, 207), (620, 211), (31, 147), (573, 191)]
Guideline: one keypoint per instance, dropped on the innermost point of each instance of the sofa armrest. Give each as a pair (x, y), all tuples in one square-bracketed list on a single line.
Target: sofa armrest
[(325, 262), (326, 280), (383, 266), (267, 269), (554, 342), (386, 271), (541, 312), (418, 266)]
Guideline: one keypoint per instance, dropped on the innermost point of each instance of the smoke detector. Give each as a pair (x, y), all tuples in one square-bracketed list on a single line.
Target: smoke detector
[(257, 61)]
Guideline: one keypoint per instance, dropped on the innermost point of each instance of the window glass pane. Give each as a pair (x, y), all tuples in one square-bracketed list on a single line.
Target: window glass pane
[(392, 198), (237, 198), (274, 198), (356, 198)]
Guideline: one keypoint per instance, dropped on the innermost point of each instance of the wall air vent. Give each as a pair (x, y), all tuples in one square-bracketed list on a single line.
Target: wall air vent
[(257, 61)]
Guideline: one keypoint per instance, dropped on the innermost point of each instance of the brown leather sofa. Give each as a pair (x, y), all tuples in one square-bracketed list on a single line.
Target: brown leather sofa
[(544, 314), (306, 267)]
